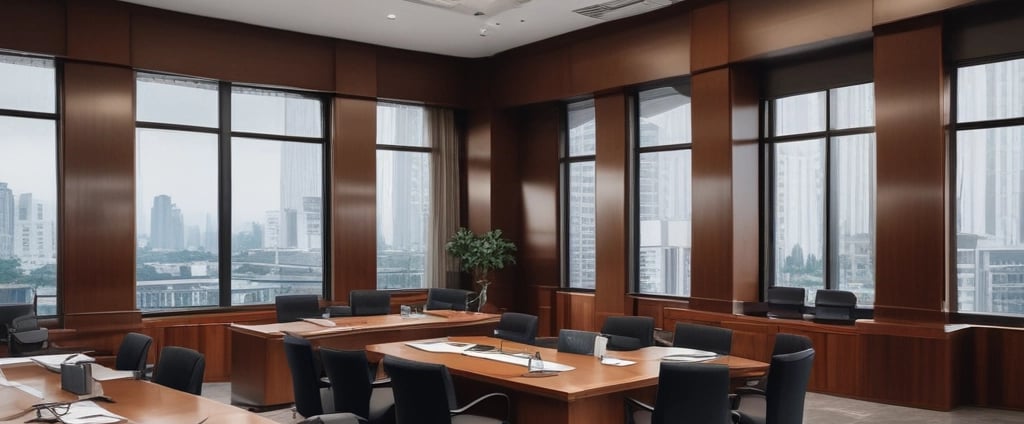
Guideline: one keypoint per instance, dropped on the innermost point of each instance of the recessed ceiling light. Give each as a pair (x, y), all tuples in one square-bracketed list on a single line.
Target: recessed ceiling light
[(483, 32), (392, 16)]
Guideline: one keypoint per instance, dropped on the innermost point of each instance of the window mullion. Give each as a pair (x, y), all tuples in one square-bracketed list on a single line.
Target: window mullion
[(224, 197)]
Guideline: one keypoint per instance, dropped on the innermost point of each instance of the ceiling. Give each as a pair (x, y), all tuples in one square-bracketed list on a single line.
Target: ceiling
[(415, 26)]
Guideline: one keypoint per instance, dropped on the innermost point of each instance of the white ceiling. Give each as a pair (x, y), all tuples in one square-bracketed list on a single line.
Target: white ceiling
[(415, 27)]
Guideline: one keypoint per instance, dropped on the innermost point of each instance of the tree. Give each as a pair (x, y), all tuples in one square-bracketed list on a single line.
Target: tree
[(10, 270), (45, 275), (813, 264), (795, 261)]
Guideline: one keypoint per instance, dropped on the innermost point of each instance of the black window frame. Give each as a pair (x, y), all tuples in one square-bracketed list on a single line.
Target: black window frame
[(565, 161), (225, 135), (56, 116)]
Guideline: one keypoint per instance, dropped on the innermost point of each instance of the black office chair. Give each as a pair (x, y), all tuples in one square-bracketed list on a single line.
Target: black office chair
[(703, 337), (310, 393), (576, 341), (454, 299), (26, 337), (10, 311), (782, 402), (835, 307), (517, 327), (786, 302), (181, 369), (132, 354), (294, 307), (628, 332), (352, 384), (687, 394), (789, 343), (424, 393), (369, 302)]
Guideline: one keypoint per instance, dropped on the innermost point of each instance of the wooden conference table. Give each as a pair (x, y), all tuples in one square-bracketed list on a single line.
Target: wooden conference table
[(259, 370), (139, 401), (592, 393)]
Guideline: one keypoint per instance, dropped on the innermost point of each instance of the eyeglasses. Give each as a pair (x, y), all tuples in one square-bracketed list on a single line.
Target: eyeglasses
[(50, 412)]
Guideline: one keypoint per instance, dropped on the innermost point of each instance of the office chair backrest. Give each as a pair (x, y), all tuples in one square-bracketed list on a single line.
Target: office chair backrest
[(787, 387), (133, 352), (454, 299), (369, 302), (692, 394), (8, 312), (517, 327), (628, 332), (181, 369), (789, 343), (25, 337), (351, 380), (305, 375), (703, 337), (835, 306), (786, 302), (576, 341), (294, 307), (423, 392)]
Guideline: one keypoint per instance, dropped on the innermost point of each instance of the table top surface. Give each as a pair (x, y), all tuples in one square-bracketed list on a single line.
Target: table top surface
[(366, 323), (590, 378), (139, 401)]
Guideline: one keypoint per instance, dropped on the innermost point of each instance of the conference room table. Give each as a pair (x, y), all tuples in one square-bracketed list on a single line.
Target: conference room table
[(260, 376), (592, 393), (139, 401)]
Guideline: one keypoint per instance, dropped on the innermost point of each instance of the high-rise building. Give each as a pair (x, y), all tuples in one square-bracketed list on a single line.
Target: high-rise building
[(6, 222), (167, 227), (35, 233), (211, 236), (300, 182)]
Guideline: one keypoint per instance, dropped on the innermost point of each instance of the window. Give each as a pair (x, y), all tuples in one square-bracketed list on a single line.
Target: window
[(578, 155), (822, 184), (989, 187), (664, 181), (28, 182), (212, 156), (403, 196)]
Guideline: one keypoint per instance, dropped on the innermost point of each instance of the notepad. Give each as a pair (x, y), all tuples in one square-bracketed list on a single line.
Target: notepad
[(88, 412), (320, 321), (616, 362), (52, 362), (441, 347)]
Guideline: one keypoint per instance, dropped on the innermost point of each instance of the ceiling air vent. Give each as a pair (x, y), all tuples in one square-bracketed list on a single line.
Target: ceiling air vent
[(473, 7), (615, 9)]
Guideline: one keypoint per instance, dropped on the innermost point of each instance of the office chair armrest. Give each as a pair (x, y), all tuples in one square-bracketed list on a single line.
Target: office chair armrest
[(735, 416), (339, 418), (508, 405), (383, 382), (749, 391), (634, 404)]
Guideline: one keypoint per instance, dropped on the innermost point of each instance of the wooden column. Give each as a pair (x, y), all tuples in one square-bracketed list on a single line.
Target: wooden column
[(912, 265), (354, 212), (612, 205)]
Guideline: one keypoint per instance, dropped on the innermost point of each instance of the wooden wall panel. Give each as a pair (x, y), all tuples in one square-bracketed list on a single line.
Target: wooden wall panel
[(421, 77), (611, 204), (231, 51), (996, 355), (912, 211), (710, 39), (99, 31), (543, 305), (759, 27), (575, 310), (34, 26), (539, 252), (746, 186), (354, 184), (355, 69), (506, 207), (655, 308), (97, 242), (656, 50), (531, 75), (886, 11), (478, 168)]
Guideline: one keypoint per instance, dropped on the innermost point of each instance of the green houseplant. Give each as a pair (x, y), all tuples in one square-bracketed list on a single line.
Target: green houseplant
[(480, 255)]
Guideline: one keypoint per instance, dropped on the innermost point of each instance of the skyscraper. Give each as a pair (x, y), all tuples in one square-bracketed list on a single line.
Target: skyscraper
[(300, 180), (6, 222), (167, 228), (35, 233)]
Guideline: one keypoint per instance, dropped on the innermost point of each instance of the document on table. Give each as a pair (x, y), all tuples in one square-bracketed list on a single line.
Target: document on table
[(88, 412), (518, 359), (52, 362), (616, 362), (321, 322), (441, 346), (102, 373)]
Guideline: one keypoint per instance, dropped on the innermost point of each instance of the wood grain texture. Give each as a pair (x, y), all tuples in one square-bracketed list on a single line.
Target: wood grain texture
[(757, 28), (544, 307), (355, 69), (34, 26), (611, 204), (886, 11), (710, 37), (421, 77), (575, 310), (99, 31), (231, 51), (541, 131), (97, 248), (354, 184), (996, 353), (746, 187), (913, 208), (531, 75)]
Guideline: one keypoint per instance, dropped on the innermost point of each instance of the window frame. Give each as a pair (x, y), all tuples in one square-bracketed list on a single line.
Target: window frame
[(57, 117), (769, 140), (225, 135), (634, 183), (565, 162), (429, 151), (955, 127)]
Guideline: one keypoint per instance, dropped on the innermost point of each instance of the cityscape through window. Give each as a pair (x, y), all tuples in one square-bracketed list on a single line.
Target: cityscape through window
[(579, 206), (989, 188), (822, 146), (28, 182), (664, 182), (273, 153)]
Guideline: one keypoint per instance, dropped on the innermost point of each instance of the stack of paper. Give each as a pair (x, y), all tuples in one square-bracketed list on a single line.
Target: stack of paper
[(52, 362), (88, 412), (441, 346)]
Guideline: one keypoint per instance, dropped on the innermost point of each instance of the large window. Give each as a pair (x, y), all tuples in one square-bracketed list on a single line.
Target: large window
[(664, 183), (28, 182), (579, 183), (403, 196), (989, 187), (213, 156), (822, 184)]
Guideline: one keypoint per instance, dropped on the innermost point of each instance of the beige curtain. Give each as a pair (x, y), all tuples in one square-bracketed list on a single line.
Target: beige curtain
[(441, 269)]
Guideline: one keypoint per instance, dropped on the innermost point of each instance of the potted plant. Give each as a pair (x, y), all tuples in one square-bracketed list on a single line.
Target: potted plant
[(480, 255)]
